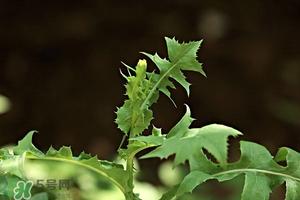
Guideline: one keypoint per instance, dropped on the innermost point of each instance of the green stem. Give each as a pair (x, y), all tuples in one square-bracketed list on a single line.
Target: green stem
[(133, 121), (129, 169)]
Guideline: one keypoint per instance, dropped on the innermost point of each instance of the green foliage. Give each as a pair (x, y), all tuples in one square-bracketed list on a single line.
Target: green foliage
[(262, 171), (211, 137), (143, 91)]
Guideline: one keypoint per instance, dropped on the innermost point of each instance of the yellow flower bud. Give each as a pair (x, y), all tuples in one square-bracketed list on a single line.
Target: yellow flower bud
[(142, 63)]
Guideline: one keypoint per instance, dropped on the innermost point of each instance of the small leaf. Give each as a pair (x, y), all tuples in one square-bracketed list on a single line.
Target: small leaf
[(156, 131), (150, 139), (124, 117), (25, 145), (182, 57)]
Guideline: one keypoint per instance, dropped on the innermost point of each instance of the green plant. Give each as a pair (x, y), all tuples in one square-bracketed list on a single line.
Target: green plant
[(262, 171)]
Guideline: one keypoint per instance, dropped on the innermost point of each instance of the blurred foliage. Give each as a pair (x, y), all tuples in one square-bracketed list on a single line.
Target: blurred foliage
[(84, 184), (4, 104), (87, 185)]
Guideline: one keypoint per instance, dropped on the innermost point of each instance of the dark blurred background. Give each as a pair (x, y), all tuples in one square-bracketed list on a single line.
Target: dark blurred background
[(60, 61)]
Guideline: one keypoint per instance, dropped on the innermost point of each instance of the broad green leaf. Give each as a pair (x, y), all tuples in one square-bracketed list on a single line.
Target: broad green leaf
[(262, 172), (211, 137)]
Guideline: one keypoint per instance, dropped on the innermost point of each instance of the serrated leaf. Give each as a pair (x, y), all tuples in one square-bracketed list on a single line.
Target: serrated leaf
[(25, 145), (183, 125), (63, 152), (114, 172), (83, 156), (178, 130), (192, 180), (126, 122), (156, 138), (262, 172), (211, 137), (156, 131), (182, 57), (12, 164), (123, 119)]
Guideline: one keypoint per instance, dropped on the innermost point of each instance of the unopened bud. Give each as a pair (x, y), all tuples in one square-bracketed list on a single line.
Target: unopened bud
[(142, 63)]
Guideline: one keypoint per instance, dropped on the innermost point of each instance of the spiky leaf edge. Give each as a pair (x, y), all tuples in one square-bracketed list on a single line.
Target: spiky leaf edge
[(26, 150)]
